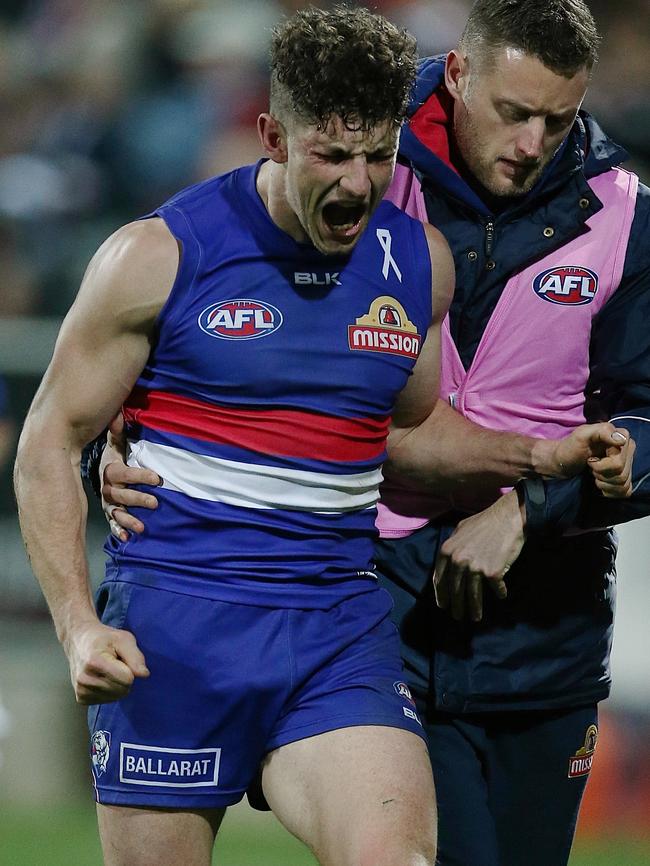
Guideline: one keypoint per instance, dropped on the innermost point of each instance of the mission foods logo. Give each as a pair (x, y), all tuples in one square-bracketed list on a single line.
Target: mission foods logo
[(580, 763), (571, 286), (385, 328), (240, 319)]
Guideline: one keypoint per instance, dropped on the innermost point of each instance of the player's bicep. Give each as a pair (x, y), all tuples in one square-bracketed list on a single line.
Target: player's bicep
[(419, 397), (105, 339), (88, 379), (443, 272)]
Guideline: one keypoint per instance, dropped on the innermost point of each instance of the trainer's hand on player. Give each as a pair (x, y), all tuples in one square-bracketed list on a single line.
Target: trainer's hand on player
[(605, 449), (116, 477), (483, 546), (103, 661)]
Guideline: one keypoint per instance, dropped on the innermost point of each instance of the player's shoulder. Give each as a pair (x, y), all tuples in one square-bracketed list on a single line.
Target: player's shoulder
[(232, 183), (140, 235), (137, 247), (132, 272), (443, 270), (442, 260), (438, 244)]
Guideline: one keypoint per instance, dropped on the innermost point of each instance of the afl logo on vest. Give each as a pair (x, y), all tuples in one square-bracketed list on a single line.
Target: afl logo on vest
[(240, 319), (568, 285)]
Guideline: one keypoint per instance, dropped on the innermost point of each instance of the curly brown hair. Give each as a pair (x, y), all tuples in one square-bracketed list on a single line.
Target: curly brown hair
[(344, 61)]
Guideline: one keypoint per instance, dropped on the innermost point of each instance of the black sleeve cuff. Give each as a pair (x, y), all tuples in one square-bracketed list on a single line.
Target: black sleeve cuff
[(534, 493), (90, 459)]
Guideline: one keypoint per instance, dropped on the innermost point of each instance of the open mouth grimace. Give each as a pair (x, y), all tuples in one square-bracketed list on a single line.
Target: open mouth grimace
[(343, 219)]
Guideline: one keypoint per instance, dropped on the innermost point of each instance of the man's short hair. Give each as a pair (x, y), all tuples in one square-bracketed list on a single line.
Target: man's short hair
[(344, 61), (560, 33)]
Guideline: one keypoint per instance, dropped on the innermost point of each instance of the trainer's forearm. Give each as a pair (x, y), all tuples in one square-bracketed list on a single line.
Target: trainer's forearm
[(447, 452), (52, 509)]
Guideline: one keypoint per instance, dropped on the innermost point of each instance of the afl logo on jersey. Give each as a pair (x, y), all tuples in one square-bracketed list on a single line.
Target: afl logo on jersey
[(385, 328), (240, 319), (568, 285)]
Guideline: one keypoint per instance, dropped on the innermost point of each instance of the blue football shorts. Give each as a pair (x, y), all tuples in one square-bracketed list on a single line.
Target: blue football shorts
[(230, 683)]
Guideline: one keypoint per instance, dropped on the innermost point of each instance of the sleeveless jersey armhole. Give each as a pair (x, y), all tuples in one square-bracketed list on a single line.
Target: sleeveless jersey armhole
[(190, 257), (422, 258)]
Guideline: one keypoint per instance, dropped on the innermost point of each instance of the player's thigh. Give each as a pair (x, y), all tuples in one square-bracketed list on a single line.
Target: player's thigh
[(538, 775), (358, 795), (157, 837), (466, 830)]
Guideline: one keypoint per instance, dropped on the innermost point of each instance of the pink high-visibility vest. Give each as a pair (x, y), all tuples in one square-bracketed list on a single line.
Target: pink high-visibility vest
[(532, 364)]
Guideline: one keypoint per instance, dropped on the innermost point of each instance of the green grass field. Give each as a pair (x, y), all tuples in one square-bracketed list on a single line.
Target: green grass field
[(68, 837)]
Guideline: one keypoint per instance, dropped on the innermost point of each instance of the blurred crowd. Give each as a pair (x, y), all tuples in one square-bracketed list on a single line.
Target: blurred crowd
[(109, 106)]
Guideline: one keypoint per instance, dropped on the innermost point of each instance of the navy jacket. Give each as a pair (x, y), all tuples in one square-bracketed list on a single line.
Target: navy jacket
[(548, 645)]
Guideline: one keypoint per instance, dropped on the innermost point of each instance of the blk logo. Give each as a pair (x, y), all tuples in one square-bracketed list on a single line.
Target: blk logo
[(311, 279), (240, 319)]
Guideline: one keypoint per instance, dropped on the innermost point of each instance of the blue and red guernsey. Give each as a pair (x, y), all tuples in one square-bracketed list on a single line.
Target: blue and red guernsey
[(266, 400)]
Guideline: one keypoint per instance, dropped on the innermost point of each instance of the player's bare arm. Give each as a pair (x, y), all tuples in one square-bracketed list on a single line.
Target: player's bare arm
[(102, 347), (442, 452), (451, 454), (446, 453)]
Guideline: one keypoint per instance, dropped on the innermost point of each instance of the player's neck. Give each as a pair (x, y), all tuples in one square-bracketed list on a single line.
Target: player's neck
[(271, 188)]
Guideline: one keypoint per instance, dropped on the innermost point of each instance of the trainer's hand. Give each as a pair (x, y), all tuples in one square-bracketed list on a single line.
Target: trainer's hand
[(103, 661), (613, 471), (117, 496), (570, 456), (483, 546)]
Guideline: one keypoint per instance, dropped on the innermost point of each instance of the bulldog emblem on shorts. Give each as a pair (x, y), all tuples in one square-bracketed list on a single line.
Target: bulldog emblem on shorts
[(100, 749)]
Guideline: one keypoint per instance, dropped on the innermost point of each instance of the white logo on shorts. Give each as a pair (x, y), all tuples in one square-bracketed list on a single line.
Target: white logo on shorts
[(100, 750), (411, 714), (169, 768)]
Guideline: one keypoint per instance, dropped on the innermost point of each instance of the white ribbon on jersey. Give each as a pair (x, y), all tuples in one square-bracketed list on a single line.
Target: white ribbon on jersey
[(385, 239)]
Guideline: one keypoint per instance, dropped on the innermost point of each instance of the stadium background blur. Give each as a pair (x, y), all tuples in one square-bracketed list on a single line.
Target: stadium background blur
[(108, 106)]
